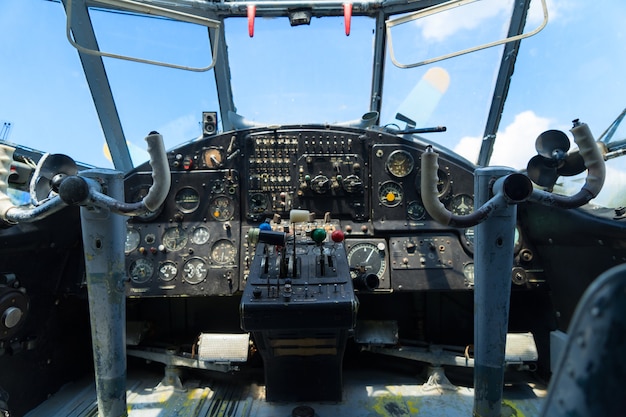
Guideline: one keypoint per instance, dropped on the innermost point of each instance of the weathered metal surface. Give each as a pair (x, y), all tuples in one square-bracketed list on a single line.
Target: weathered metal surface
[(369, 393)]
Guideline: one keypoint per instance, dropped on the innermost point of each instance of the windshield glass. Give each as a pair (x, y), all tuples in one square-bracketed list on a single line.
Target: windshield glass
[(308, 73), (315, 74)]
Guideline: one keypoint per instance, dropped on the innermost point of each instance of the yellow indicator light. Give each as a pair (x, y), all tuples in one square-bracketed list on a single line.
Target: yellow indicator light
[(216, 213), (390, 197)]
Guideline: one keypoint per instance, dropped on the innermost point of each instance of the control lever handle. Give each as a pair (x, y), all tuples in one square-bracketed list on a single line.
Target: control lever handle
[(510, 189), (82, 191)]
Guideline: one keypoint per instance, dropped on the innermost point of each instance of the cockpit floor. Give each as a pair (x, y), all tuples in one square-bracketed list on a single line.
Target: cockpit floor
[(365, 393)]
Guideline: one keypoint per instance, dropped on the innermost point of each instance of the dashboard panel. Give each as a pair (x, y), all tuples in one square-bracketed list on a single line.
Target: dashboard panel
[(363, 182)]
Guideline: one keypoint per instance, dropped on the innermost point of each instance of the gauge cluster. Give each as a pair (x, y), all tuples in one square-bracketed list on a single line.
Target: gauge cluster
[(363, 182)]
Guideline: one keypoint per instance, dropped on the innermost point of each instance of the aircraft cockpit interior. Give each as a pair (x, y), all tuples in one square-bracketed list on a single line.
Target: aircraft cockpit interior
[(313, 267)]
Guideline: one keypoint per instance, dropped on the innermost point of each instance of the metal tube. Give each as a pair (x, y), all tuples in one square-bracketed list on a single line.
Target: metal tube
[(103, 241), (493, 258)]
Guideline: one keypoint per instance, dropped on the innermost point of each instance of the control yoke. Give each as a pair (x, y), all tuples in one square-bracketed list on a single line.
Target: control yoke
[(494, 218), (78, 190), (516, 187)]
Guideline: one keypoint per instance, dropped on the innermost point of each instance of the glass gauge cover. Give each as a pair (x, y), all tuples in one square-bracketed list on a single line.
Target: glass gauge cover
[(390, 194), (366, 258), (168, 271), (200, 235), (132, 240), (320, 184), (187, 199), (352, 184), (257, 203), (222, 208), (400, 163), (462, 204), (195, 270), (141, 270), (175, 238), (212, 158), (223, 252), (415, 211)]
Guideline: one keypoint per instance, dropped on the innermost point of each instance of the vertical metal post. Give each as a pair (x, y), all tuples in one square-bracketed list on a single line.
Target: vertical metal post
[(103, 240), (493, 258)]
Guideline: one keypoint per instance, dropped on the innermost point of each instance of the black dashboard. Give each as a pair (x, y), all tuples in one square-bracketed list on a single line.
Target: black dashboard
[(363, 182)]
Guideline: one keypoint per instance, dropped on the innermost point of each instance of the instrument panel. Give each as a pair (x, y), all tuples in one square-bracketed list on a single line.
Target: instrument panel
[(365, 183)]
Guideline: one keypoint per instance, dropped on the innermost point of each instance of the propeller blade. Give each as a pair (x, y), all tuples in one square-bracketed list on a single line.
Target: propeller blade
[(573, 164), (542, 171), (51, 169), (552, 144)]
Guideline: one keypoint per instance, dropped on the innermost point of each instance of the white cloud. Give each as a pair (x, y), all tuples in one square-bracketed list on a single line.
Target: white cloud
[(440, 26), (514, 146)]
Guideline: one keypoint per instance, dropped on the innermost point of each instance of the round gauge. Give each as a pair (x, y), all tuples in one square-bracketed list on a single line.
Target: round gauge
[(168, 271), (132, 240), (367, 258), (462, 204), (222, 208), (443, 183), (175, 238), (400, 163), (390, 194), (141, 270), (195, 270), (320, 184), (352, 184), (257, 203), (415, 210), (223, 252), (136, 195), (200, 235), (212, 158), (187, 199)]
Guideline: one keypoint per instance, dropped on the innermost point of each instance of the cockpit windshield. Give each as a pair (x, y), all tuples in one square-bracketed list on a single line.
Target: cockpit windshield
[(310, 72)]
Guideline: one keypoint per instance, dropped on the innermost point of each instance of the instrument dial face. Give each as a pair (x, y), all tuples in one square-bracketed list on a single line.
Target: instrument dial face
[(175, 238), (352, 184), (257, 203), (200, 235), (415, 211), (400, 163), (462, 204), (168, 271), (320, 184), (222, 208), (187, 199), (223, 252), (132, 240), (366, 258), (195, 270), (390, 194), (212, 158), (141, 270)]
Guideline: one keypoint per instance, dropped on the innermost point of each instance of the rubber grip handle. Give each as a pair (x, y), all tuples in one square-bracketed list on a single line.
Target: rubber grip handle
[(6, 157), (594, 161), (161, 179), (429, 191)]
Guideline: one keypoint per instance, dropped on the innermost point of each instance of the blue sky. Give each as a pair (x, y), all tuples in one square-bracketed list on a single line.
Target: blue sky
[(572, 69)]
